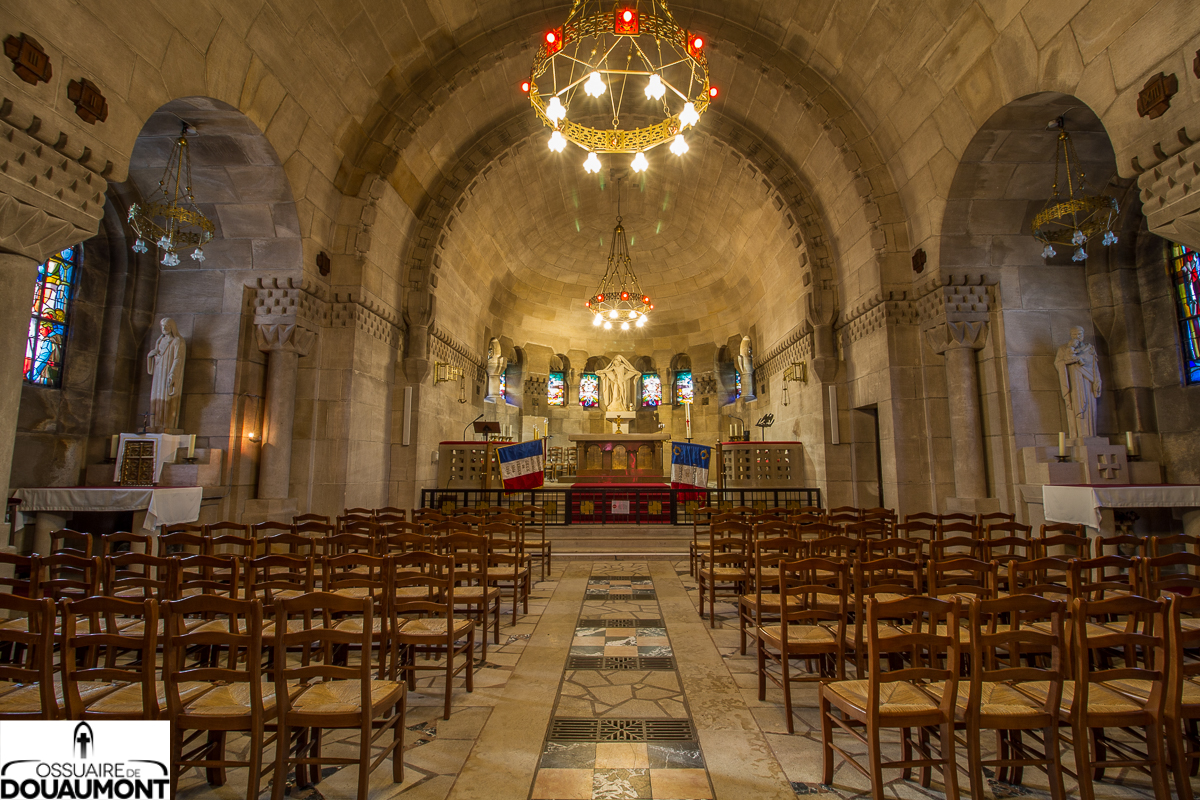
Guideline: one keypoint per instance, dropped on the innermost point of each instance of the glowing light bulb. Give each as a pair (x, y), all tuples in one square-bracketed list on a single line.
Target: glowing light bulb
[(641, 323), (557, 142), (655, 88), (596, 320), (612, 314), (679, 146), (595, 85), (640, 163), (592, 164), (627, 15), (686, 117), (608, 326), (624, 326), (633, 315), (555, 110)]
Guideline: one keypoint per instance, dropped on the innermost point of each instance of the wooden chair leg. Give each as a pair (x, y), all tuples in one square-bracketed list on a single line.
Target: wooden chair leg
[(449, 673), (875, 763), (785, 666), (1179, 766), (949, 762), (283, 745), (470, 662), (826, 738), (1083, 763), (254, 759), (398, 729), (364, 757), (216, 775), (1155, 740), (1054, 753), (974, 762), (495, 624)]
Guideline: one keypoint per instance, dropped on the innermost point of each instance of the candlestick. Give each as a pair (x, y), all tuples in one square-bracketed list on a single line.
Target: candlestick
[(1129, 448), (112, 446), (191, 447), (1062, 444), (731, 432)]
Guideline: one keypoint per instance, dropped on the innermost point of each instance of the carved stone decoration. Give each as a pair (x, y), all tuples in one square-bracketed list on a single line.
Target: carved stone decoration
[(617, 379), (919, 260), (1080, 384), (1155, 97), (418, 315), (745, 367), (90, 105), (165, 364), (496, 364), (30, 61)]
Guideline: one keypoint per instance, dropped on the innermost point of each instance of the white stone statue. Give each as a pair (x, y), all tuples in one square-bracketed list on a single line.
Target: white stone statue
[(615, 384), (496, 364), (745, 367), (1079, 381), (165, 364)]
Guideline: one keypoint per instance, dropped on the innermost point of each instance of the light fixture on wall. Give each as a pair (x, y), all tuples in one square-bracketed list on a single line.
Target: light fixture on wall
[(444, 372), (252, 417), (619, 300), (1071, 218), (624, 59), (171, 219), (797, 371)]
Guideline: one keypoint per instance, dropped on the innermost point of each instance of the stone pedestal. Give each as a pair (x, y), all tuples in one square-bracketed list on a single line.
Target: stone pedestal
[(284, 344), (620, 420)]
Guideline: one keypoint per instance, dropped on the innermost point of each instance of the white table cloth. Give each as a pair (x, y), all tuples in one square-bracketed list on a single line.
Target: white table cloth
[(1080, 505), (164, 451), (164, 506)]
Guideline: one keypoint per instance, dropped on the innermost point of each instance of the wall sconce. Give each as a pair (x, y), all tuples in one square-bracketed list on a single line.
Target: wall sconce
[(252, 406), (798, 372), (444, 372)]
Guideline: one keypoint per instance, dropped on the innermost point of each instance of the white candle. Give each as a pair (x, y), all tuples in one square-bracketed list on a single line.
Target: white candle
[(1062, 443), (731, 431), (1129, 443), (687, 420), (112, 446), (192, 446)]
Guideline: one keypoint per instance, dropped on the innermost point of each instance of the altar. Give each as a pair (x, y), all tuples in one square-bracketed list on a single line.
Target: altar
[(619, 457), (1093, 506)]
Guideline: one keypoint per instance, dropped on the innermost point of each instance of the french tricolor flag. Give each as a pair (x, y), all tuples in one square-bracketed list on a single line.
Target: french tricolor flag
[(522, 465)]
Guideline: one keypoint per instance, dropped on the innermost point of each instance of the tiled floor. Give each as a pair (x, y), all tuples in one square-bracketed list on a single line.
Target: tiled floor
[(497, 744)]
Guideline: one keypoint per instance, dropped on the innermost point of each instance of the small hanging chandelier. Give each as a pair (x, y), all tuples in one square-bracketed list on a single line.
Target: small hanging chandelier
[(1073, 218), (619, 300), (632, 59), (172, 221)]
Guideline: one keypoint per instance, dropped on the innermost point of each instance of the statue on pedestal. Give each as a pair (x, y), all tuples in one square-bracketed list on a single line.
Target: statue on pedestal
[(165, 363), (615, 384), (496, 364), (745, 368), (1079, 381)]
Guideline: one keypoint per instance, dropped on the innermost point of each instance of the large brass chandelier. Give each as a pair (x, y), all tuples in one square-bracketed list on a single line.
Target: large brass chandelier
[(619, 300), (1072, 218), (171, 220), (630, 78)]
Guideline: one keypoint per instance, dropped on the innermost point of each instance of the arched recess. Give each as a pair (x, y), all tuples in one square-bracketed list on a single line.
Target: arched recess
[(238, 183)]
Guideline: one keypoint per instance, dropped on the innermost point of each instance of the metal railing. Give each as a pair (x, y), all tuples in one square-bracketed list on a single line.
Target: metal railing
[(620, 505)]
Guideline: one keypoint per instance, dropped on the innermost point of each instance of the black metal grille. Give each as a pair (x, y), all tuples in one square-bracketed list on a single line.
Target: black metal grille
[(595, 578), (564, 729), (653, 663), (610, 596), (619, 622)]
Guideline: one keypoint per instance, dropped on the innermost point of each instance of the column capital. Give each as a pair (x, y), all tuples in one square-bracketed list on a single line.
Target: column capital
[(284, 337), (956, 335)]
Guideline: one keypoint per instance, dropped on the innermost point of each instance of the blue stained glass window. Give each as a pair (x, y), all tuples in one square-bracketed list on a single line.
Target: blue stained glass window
[(48, 321), (589, 390), (685, 390), (651, 391), (504, 386), (556, 390), (1185, 269), (737, 384)]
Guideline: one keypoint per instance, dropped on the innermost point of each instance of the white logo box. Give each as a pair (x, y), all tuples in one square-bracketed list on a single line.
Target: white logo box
[(101, 760)]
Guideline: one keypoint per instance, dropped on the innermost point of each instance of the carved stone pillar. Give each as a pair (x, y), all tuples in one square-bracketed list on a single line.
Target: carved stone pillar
[(18, 274), (284, 344), (958, 341)]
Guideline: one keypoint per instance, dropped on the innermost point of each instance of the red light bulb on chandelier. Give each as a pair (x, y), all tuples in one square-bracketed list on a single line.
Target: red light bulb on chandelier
[(645, 299), (525, 87), (713, 92), (599, 298), (627, 15), (550, 37), (624, 295), (698, 43)]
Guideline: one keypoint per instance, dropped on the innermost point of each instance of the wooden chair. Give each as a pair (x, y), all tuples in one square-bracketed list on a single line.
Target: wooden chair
[(314, 529), (1074, 545), (1179, 542), (1045, 577), (917, 530), (184, 543), (534, 519), (275, 578), (234, 697), (702, 518), (27, 685), (288, 543), (920, 696), (812, 624), (895, 547), (1104, 577), (65, 541), (356, 576), (755, 607), (507, 565), (996, 697), (333, 696), (1125, 544), (472, 587), (426, 622), (728, 562), (343, 543), (300, 519), (26, 575), (65, 575), (964, 578), (1003, 549), (133, 576), (958, 528), (923, 517), (1124, 697), (112, 544), (230, 537), (944, 549), (212, 576), (1181, 707), (884, 579), (997, 517)]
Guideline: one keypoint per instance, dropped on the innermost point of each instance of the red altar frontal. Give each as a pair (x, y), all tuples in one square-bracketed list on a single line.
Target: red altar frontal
[(619, 457)]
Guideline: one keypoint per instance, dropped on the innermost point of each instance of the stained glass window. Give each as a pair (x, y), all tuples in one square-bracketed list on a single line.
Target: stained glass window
[(589, 390), (737, 384), (48, 323), (556, 390), (504, 386), (684, 389), (651, 391), (1185, 268)]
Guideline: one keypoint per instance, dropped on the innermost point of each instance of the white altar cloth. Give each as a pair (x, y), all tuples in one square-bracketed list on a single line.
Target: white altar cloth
[(1080, 505), (164, 451), (165, 506)]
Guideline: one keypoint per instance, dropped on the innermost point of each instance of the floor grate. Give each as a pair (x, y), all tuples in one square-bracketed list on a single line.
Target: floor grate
[(621, 730), (619, 622), (610, 596), (651, 663), (595, 578)]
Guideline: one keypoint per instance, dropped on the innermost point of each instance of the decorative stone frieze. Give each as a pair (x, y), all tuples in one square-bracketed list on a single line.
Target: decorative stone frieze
[(1170, 194), (354, 311), (295, 300), (445, 347), (796, 346), (283, 337), (952, 335)]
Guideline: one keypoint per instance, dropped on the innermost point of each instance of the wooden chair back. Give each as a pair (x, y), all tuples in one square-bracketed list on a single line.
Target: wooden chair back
[(271, 578), (26, 574), (135, 576), (875, 528), (342, 543), (64, 575), (1123, 544), (288, 543), (1179, 542), (409, 542), (895, 547), (355, 575), (233, 648), (100, 652), (887, 576), (300, 519), (27, 655), (427, 516), (957, 528), (813, 592), (112, 544), (962, 577), (924, 517), (1104, 577), (1073, 545), (314, 529), (918, 530), (1144, 633), (184, 543), (958, 517), (1046, 577), (1006, 548), (1002, 632), (768, 552), (1178, 573), (423, 585), (925, 630), (836, 547), (307, 624), (996, 517), (71, 542), (949, 547), (210, 576)]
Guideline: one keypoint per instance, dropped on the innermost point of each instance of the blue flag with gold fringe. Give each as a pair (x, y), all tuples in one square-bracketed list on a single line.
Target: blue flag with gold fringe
[(689, 465)]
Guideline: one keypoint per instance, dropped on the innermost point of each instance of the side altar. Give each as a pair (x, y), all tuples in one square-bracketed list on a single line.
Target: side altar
[(619, 457)]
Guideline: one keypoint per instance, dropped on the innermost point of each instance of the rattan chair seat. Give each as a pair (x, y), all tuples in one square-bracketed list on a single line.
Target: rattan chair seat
[(725, 573), (472, 594), (355, 624), (798, 634), (899, 698), (434, 627), (345, 697), (127, 700), (233, 699), (27, 698), (1101, 699)]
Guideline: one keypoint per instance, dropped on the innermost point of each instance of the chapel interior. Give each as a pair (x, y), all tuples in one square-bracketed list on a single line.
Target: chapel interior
[(675, 399)]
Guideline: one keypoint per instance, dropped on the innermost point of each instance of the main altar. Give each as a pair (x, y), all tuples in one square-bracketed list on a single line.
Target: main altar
[(619, 457)]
